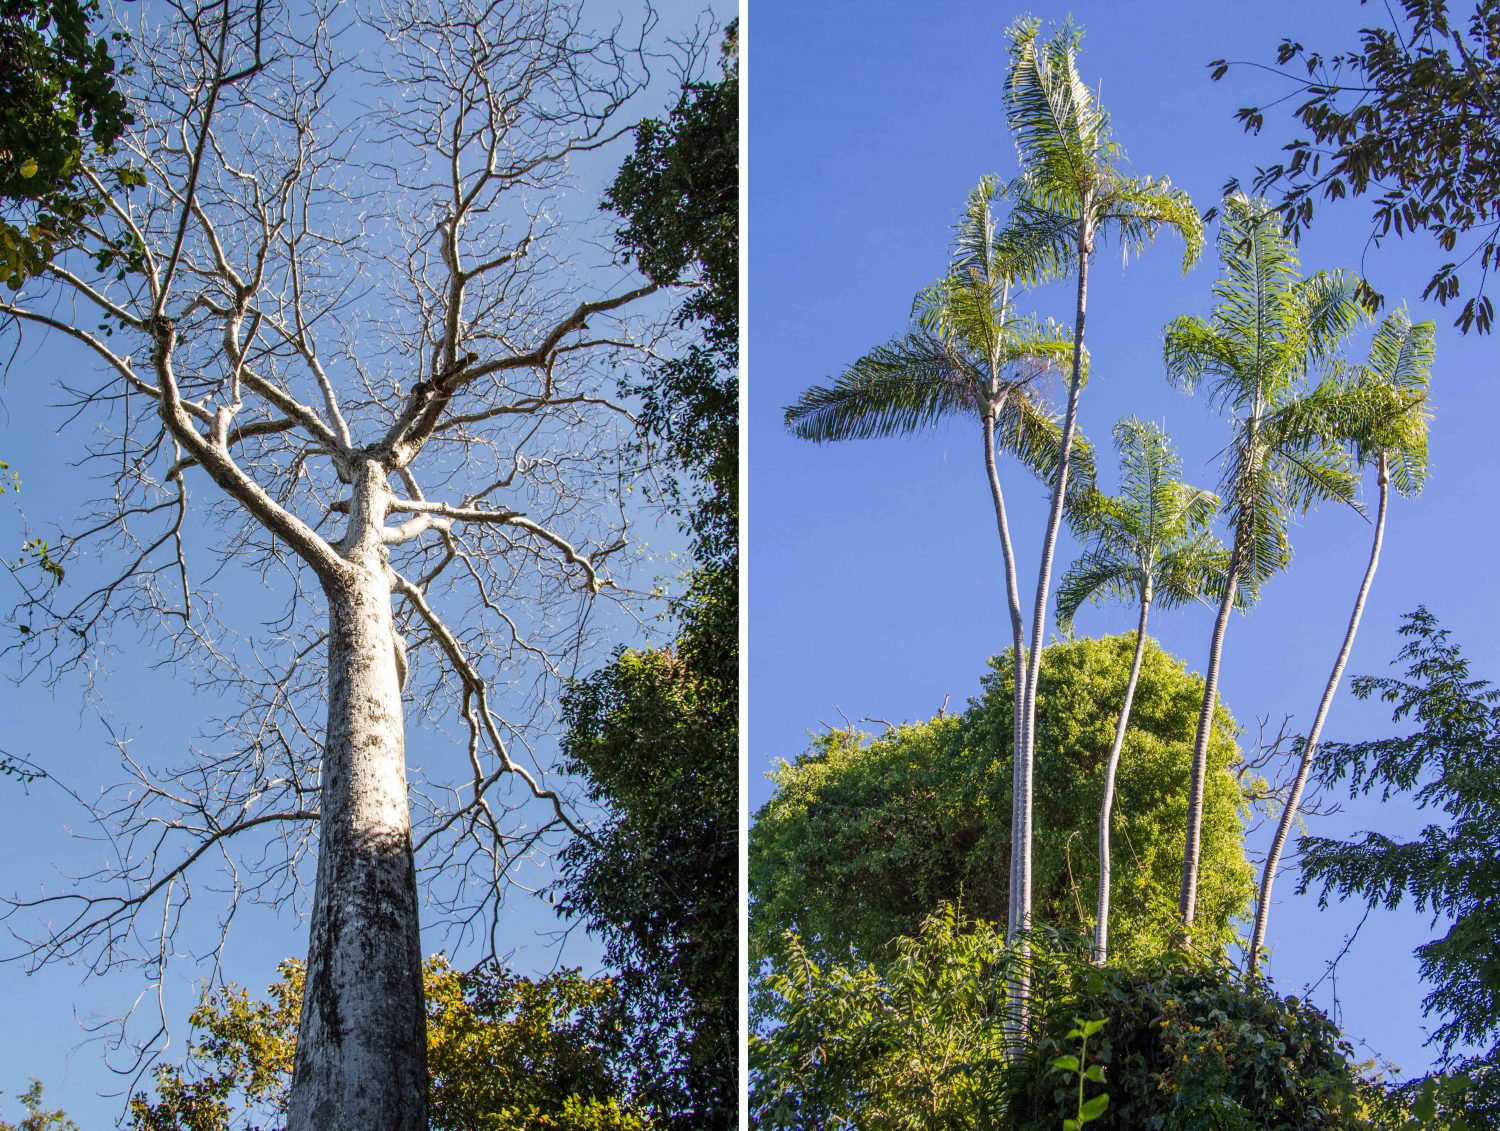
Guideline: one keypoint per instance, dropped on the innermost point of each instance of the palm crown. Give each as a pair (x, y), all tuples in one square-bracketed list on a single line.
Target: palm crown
[(1395, 380), (1071, 186), (968, 353), (1151, 543), (1270, 333)]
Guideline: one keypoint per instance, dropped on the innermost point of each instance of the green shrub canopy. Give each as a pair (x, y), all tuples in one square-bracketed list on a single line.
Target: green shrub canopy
[(864, 838)]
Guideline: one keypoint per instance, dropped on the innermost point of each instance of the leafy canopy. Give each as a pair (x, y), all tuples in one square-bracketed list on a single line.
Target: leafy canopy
[(1149, 543), (1449, 762), (1410, 119), (678, 194), (864, 839), (654, 735), (1189, 1045), (1270, 334), (657, 746), (914, 1044), (37, 1117), (918, 1043), (505, 1053), (1073, 187), (58, 100)]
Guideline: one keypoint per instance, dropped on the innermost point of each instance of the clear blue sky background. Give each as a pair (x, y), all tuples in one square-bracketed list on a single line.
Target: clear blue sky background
[(45, 1015), (875, 584)]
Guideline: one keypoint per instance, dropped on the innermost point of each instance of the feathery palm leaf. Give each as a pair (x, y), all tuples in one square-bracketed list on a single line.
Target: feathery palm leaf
[(1395, 379), (1071, 185), (968, 354), (1268, 331), (897, 388), (1151, 542)]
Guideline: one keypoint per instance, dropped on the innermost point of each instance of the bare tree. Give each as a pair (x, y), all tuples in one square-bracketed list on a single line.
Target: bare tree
[(347, 338)]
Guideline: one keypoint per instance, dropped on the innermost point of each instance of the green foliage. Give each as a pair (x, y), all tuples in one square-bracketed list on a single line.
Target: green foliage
[(1151, 542), (1269, 333), (919, 1044), (657, 745), (915, 1045), (505, 1053), (1465, 1098), (864, 839), (37, 1117), (1079, 1066), (1395, 380), (57, 99), (679, 195), (1410, 120), (967, 353), (655, 735), (1450, 763), (1073, 190), (1186, 1045)]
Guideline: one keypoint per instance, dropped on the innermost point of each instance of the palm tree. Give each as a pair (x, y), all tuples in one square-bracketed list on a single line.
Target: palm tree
[(968, 354), (1255, 353), (1394, 440), (1152, 545), (1072, 192)]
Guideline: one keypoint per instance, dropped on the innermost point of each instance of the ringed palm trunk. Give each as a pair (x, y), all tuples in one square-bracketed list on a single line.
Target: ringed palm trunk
[(1101, 927), (1187, 900), (1021, 827), (1021, 813), (1017, 631), (1289, 813), (361, 1060)]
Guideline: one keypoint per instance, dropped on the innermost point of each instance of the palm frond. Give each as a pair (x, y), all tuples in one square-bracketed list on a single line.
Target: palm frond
[(1039, 242), (1194, 352), (1099, 575), (1136, 209), (1157, 526), (1062, 134), (1395, 380), (897, 388)]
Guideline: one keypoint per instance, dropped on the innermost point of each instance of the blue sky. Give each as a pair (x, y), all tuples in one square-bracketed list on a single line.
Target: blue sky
[(44, 840), (875, 585)]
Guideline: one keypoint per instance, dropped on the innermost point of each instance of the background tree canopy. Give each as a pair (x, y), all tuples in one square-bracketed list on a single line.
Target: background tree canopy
[(655, 734), (918, 1044), (57, 85), (505, 1053), (1409, 119), (865, 839)]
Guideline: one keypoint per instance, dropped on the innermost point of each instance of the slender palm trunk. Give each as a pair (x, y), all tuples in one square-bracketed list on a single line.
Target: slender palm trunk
[(1289, 813), (1188, 896), (1101, 927), (361, 1059), (1017, 627), (1021, 809), (1022, 815)]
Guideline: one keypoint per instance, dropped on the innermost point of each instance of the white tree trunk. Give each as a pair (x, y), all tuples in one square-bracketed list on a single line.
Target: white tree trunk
[(1021, 812), (1101, 927), (361, 1060), (1187, 900), (1022, 819), (1289, 813), (1017, 635)]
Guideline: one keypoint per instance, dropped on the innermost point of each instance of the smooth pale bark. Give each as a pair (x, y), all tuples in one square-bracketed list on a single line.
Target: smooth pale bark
[(361, 1059), (1101, 927), (1289, 814), (1021, 821), (1019, 985), (1187, 900), (1017, 629)]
